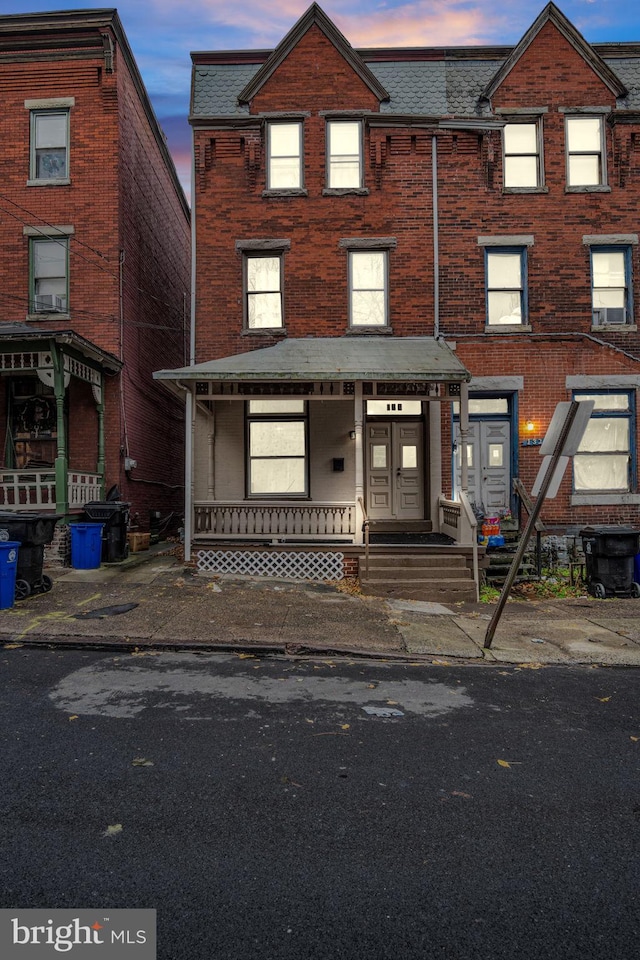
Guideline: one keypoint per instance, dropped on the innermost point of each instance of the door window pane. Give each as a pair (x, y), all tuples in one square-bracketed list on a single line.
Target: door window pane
[(378, 457), (496, 455), (409, 457)]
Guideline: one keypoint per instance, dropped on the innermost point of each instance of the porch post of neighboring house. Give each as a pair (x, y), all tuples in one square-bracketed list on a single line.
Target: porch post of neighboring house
[(188, 472), (464, 433), (359, 455), (62, 466), (99, 398)]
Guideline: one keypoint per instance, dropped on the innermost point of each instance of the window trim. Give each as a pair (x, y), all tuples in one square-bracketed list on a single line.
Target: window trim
[(516, 248), (274, 254), (300, 188), (628, 287), (537, 121), (585, 497), (603, 185), (356, 249), (335, 121), (61, 237), (61, 107), (300, 417)]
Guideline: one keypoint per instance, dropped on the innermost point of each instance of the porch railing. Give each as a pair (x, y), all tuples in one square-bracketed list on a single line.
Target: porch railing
[(36, 489), (457, 520), (284, 520)]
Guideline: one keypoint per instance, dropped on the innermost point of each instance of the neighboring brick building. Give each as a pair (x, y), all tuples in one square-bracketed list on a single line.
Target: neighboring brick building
[(377, 229), (95, 238)]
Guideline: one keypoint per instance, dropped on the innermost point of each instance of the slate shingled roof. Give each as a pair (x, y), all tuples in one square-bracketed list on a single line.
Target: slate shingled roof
[(444, 87)]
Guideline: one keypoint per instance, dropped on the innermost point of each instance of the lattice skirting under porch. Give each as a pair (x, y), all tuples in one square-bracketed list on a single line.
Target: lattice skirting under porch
[(292, 565)]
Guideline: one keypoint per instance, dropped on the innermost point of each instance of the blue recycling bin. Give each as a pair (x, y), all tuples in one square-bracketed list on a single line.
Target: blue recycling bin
[(8, 566), (86, 545)]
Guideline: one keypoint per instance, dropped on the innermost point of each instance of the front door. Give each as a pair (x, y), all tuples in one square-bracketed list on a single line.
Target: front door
[(488, 463), (395, 470)]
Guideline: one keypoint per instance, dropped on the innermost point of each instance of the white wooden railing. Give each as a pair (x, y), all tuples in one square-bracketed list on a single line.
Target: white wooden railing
[(284, 520), (457, 520), (36, 489), (83, 488)]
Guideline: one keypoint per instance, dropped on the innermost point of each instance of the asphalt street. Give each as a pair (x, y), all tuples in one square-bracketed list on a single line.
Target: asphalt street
[(278, 808)]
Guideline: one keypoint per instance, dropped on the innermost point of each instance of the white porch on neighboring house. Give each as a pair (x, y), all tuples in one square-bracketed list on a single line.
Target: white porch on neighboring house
[(315, 442)]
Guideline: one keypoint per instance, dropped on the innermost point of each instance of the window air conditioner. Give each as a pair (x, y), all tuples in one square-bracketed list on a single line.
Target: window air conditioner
[(605, 315), (49, 303)]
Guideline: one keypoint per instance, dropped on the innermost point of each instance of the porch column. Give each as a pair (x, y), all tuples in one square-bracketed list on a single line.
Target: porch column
[(62, 466), (188, 472), (464, 433), (101, 455), (211, 470), (358, 418)]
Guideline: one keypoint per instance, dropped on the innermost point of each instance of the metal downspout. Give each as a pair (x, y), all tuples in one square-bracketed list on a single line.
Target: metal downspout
[(436, 242)]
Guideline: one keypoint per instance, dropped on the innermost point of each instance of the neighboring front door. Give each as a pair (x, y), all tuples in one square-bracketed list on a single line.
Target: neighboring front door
[(488, 464), (395, 470)]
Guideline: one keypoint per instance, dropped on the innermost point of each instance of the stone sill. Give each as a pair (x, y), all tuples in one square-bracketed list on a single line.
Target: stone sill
[(604, 499)]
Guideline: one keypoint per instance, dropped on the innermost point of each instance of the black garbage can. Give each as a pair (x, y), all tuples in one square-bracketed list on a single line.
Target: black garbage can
[(33, 531), (609, 555), (114, 514)]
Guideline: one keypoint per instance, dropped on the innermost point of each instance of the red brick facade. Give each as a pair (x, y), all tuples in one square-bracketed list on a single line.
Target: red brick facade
[(129, 243), (553, 75)]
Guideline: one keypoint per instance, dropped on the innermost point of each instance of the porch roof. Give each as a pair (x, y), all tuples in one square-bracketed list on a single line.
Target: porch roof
[(41, 338), (333, 358)]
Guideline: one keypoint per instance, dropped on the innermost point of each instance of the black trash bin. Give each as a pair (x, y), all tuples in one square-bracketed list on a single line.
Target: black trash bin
[(609, 554), (33, 531), (114, 514)]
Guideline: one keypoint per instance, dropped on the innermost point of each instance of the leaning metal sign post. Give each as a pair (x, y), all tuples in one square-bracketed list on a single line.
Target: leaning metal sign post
[(561, 442)]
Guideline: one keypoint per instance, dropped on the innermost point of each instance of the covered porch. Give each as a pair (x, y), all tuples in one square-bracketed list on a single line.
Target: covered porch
[(52, 418), (315, 442)]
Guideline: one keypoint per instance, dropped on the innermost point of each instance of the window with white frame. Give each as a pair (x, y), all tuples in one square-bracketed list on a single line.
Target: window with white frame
[(585, 151), (49, 145), (344, 154), (506, 285), (284, 150), (263, 290), (604, 462), (368, 288), (611, 285), (277, 448), (522, 155), (49, 274)]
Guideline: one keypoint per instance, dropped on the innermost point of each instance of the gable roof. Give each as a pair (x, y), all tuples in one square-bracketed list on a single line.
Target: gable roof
[(315, 15), (552, 14)]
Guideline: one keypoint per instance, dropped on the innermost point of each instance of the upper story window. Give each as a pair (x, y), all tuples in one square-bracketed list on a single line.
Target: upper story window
[(611, 285), (368, 288), (344, 154), (49, 274), (263, 291), (49, 126), (506, 286), (585, 151), (284, 151), (522, 144)]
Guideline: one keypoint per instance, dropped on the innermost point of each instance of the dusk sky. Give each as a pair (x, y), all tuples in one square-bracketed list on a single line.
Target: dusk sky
[(162, 33)]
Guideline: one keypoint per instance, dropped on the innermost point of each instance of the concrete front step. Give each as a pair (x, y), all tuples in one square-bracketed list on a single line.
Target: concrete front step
[(406, 561), (436, 591), (415, 572)]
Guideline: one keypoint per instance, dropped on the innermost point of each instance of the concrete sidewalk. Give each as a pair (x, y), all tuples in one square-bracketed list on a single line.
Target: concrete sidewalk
[(154, 601)]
